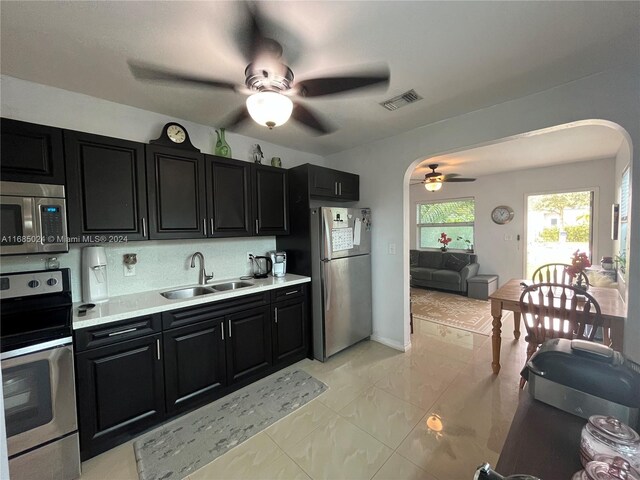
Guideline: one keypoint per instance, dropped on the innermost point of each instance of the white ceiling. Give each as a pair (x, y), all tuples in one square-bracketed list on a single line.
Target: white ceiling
[(460, 56), (562, 145)]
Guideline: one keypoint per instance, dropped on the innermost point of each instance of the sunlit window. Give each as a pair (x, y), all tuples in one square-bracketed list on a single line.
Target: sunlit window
[(454, 217)]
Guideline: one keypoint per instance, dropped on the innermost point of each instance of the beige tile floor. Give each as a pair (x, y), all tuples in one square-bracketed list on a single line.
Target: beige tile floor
[(434, 412)]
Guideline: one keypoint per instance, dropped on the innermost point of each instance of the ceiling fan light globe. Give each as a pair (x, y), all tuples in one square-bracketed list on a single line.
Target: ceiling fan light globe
[(432, 186), (269, 109)]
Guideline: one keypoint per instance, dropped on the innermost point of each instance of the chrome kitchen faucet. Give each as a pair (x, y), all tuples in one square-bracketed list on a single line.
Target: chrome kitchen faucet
[(203, 278)]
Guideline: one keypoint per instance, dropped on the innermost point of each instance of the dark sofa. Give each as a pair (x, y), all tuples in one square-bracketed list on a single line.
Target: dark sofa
[(435, 269)]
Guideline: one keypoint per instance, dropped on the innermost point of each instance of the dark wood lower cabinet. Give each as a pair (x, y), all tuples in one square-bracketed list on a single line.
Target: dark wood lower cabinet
[(289, 330), (194, 363), (248, 343), (189, 358), (120, 390)]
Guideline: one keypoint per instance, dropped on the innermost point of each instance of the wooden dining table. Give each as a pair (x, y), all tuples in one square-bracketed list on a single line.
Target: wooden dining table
[(507, 297)]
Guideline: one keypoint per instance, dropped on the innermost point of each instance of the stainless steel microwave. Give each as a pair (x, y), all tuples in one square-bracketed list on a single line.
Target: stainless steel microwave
[(33, 217)]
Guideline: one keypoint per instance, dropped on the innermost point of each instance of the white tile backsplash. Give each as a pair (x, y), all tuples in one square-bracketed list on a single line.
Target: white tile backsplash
[(161, 264)]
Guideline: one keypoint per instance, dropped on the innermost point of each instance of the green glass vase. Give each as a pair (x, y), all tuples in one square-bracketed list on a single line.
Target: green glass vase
[(222, 147)]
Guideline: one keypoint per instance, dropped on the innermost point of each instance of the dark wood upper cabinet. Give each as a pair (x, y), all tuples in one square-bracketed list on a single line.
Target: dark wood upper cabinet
[(228, 197), (176, 189), (31, 153), (106, 186), (333, 184), (348, 186), (270, 200)]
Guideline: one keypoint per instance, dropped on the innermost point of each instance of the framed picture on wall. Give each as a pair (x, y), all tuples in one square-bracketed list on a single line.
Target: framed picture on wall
[(615, 220)]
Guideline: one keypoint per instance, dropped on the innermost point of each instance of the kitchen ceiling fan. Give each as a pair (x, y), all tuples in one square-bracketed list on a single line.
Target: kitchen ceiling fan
[(433, 180), (269, 82)]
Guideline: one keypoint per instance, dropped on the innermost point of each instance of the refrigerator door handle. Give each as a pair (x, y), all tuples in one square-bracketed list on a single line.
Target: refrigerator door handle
[(326, 285), (326, 232)]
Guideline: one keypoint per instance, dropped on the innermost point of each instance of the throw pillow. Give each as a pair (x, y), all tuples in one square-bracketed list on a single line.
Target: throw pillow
[(455, 263)]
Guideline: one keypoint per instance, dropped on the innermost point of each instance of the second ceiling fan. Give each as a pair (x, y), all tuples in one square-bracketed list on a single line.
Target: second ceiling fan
[(269, 82), (433, 180)]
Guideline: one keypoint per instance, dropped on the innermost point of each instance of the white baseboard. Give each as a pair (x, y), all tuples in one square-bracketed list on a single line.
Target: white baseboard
[(391, 343)]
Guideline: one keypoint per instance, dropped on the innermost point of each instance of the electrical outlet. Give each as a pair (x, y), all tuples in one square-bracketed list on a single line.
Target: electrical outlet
[(249, 255), (129, 270), (392, 249)]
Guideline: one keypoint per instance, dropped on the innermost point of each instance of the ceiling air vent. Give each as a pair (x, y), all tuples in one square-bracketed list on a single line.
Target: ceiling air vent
[(401, 100)]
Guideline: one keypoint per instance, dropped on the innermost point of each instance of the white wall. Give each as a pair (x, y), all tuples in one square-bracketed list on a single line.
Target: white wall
[(506, 258), (385, 167), (160, 264)]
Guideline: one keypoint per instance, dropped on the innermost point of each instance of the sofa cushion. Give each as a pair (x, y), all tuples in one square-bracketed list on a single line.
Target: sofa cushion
[(430, 259), (413, 258), (446, 276), (455, 263), (422, 273)]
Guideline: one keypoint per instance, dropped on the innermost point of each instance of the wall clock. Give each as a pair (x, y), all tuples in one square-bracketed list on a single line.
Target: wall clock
[(174, 135), (502, 214)]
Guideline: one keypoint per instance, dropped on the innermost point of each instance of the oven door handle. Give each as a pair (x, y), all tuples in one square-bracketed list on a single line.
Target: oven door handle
[(35, 348)]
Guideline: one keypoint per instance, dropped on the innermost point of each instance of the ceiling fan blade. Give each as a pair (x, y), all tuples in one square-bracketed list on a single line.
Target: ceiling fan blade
[(416, 183), (317, 87), (303, 115), (236, 118), (459, 179), (152, 73), (451, 175)]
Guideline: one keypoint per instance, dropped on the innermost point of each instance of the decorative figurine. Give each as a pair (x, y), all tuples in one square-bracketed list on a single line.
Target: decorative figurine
[(222, 147), (257, 153)]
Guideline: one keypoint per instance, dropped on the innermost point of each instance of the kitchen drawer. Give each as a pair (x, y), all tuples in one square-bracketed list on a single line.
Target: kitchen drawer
[(207, 311), (287, 293), (108, 334)]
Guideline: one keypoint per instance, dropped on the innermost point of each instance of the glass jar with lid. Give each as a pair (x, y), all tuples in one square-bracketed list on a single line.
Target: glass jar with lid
[(607, 435), (607, 468)]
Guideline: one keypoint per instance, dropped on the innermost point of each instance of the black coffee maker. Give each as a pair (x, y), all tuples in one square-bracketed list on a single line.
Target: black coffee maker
[(261, 266)]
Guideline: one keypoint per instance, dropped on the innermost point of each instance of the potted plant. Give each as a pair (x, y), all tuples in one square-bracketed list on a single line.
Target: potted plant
[(579, 261), (468, 242), (444, 240)]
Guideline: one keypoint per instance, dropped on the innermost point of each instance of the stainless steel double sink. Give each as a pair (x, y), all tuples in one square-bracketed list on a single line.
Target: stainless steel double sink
[(191, 292)]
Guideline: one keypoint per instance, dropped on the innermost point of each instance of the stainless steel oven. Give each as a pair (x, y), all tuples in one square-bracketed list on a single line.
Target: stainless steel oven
[(33, 218), (38, 375)]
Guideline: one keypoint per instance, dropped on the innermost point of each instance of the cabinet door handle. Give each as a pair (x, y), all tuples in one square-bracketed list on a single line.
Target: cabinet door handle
[(291, 292), (158, 348), (229, 328), (256, 225), (222, 330), (204, 226), (340, 189), (144, 227), (276, 314), (128, 330), (335, 185), (211, 225)]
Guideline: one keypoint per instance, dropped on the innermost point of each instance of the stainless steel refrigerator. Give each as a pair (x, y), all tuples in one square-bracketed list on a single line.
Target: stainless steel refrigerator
[(341, 278)]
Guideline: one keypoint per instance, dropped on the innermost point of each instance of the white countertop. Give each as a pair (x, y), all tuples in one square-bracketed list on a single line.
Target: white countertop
[(146, 303)]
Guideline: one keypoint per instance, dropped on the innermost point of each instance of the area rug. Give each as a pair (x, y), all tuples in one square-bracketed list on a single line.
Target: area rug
[(182, 446), (453, 310)]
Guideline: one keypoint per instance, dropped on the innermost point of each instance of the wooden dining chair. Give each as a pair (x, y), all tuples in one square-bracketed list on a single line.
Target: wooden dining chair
[(557, 273), (554, 310)]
